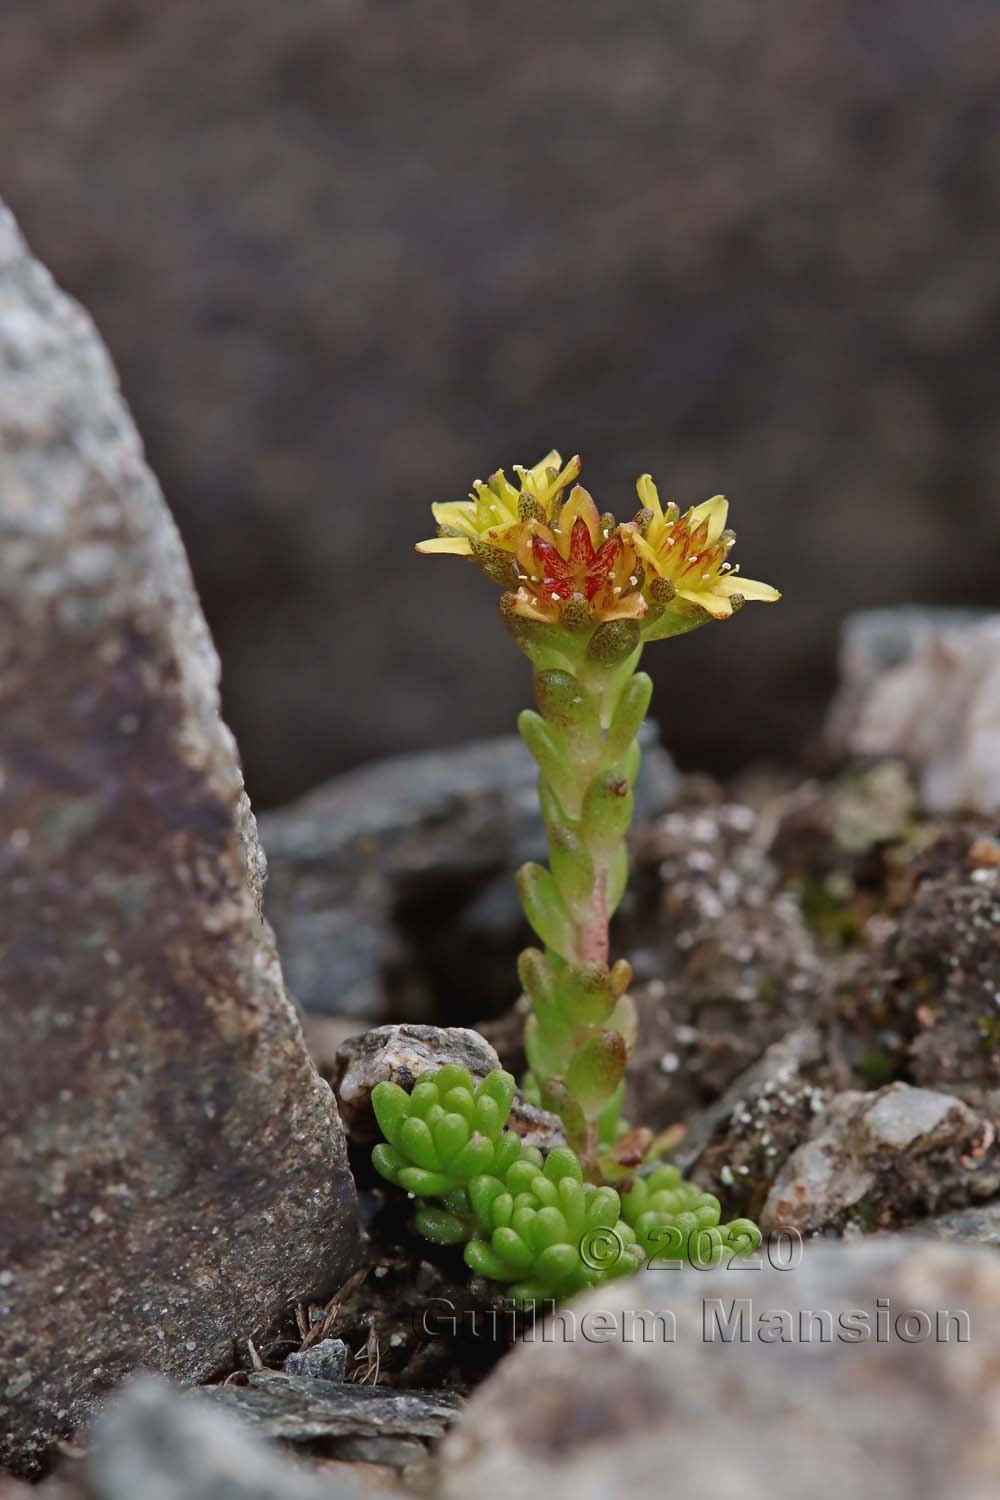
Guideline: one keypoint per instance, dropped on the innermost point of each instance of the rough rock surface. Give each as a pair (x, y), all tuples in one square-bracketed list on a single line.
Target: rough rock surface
[(976, 1226), (326, 1360), (925, 685), (153, 1442), (728, 963), (925, 998), (875, 1159), (388, 882), (173, 1169), (736, 1146), (299, 1409), (399, 1054), (606, 1409)]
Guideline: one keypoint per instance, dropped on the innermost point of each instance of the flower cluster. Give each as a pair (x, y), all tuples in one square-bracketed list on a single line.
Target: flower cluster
[(561, 561)]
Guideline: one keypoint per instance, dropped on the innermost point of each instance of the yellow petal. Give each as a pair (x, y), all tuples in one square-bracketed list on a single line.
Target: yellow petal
[(580, 506), (459, 514), (717, 605), (649, 556), (649, 495), (459, 545), (735, 583), (713, 511), (537, 472)]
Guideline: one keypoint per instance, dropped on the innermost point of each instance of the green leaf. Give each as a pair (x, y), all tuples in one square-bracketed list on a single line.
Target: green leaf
[(452, 1076), (616, 880), (547, 1048), (474, 1158), (586, 995), (521, 1176), (511, 1250), (562, 1164), (506, 1151), (544, 909), (450, 1134), (523, 1221), (416, 1142), (440, 1227), (549, 1227), (568, 707), (461, 1101), (607, 809), (557, 1097), (501, 1087), (596, 1071), (613, 642), (502, 1210), (392, 1106), (483, 1261), (572, 866), (424, 1184), (483, 1192), (604, 1209), (631, 762), (387, 1161), (625, 1020), (556, 1264), (626, 721), (548, 753), (424, 1095)]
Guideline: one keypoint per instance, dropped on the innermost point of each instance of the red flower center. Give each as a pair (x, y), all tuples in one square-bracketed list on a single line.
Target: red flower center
[(585, 571)]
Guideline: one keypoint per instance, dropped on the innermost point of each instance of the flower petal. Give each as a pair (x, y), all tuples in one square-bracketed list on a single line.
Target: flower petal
[(649, 495), (460, 515), (580, 506), (735, 583), (713, 511), (717, 605), (461, 546)]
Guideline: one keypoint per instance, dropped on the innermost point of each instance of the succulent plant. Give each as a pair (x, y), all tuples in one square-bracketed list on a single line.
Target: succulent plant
[(532, 1224), (582, 595)]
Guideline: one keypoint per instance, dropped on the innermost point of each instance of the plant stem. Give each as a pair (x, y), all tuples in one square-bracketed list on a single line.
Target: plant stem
[(591, 707)]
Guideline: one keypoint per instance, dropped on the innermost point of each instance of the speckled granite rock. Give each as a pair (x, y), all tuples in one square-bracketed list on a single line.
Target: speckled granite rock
[(399, 1054), (724, 962), (173, 1170), (925, 998), (804, 1397), (876, 1159)]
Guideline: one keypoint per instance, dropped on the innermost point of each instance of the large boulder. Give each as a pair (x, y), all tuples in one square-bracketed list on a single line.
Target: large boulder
[(173, 1170), (866, 1370)]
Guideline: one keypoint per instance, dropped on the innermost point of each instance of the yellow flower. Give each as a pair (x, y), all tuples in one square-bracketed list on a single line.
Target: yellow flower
[(496, 511), (686, 557), (582, 563)]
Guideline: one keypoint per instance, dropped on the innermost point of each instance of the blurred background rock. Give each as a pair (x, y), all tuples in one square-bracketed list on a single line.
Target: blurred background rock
[(349, 254)]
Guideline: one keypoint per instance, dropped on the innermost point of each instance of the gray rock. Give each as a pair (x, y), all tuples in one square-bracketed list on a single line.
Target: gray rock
[(924, 685), (874, 1158), (298, 1409), (399, 1054), (869, 1370), (975, 1226), (720, 938), (326, 1360), (174, 1171), (154, 1443), (406, 860)]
